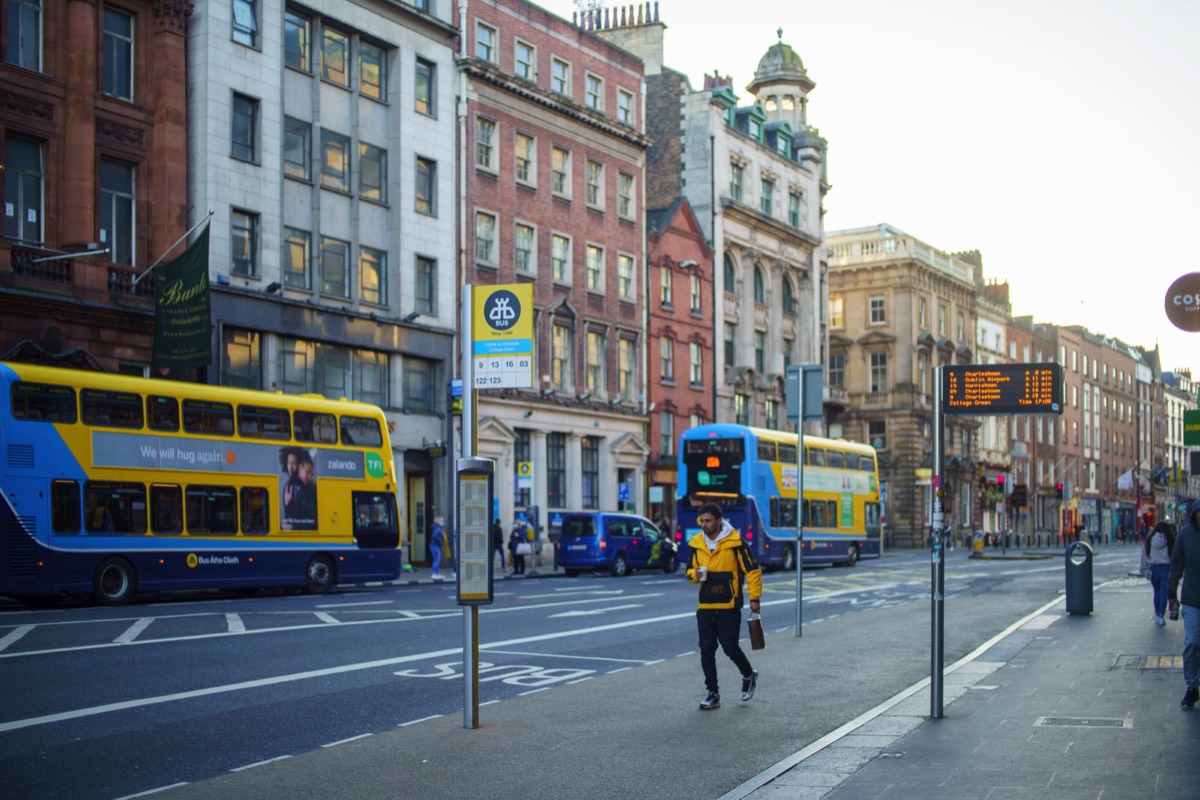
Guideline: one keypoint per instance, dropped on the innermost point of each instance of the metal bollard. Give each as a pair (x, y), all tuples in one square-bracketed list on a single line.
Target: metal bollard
[(1079, 578)]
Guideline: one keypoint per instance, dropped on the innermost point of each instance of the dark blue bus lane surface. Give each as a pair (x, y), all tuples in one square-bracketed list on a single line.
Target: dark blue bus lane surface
[(143, 697)]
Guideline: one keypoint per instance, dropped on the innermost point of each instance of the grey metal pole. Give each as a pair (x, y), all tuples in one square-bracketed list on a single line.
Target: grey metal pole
[(938, 561), (470, 613), (800, 514)]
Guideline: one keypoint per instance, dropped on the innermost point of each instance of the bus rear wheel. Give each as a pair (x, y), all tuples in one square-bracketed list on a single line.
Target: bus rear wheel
[(115, 582), (789, 558), (852, 556), (320, 576)]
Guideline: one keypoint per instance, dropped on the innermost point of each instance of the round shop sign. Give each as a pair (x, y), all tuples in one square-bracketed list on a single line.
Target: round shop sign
[(1183, 302)]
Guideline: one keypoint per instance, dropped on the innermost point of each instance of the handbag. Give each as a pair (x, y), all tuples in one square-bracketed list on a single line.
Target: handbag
[(524, 549), (754, 625)]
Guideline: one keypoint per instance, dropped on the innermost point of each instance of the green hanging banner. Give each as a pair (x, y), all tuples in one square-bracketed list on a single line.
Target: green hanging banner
[(182, 316)]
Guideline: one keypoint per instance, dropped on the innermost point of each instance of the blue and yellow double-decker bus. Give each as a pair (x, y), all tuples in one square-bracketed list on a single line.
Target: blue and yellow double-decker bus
[(753, 474), (114, 484)]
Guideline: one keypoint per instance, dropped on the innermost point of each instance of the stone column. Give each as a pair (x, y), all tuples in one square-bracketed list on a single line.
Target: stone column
[(167, 95), (78, 199)]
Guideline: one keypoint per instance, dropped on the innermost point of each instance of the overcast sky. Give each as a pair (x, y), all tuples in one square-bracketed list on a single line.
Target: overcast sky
[(1058, 137)]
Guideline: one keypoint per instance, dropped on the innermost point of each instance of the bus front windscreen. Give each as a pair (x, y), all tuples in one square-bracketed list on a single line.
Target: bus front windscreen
[(714, 468)]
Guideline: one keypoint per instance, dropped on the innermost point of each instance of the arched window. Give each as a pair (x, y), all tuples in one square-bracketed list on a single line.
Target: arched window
[(760, 289), (730, 275), (789, 297)]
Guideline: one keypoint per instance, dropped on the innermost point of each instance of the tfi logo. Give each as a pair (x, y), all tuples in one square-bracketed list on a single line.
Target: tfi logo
[(502, 310)]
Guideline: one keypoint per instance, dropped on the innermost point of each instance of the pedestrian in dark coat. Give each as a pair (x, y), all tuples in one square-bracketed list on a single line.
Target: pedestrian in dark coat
[(1185, 566)]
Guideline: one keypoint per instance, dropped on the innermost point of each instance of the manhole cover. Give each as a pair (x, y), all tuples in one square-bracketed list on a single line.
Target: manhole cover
[(1084, 722)]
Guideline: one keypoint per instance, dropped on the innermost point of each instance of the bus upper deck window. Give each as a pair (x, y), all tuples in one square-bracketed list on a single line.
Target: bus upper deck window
[(852, 461), (43, 402), (162, 413), (204, 416), (816, 457), (114, 409), (361, 431), (833, 459), (313, 427)]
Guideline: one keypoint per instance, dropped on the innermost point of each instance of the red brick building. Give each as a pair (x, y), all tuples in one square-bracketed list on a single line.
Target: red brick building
[(554, 160), (93, 123)]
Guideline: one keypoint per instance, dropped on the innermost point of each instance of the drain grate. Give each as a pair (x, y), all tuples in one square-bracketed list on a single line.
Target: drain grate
[(1084, 722)]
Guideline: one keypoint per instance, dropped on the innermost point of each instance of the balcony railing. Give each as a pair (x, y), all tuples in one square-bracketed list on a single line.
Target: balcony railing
[(22, 264)]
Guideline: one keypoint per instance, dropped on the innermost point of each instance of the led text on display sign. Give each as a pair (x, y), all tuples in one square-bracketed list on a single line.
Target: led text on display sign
[(1002, 389)]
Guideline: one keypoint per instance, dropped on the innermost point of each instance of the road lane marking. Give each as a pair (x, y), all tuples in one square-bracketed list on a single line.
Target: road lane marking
[(592, 612), (234, 623), (149, 792), (560, 655), (13, 636), (422, 719), (259, 763), (352, 605), (133, 631), (328, 619), (351, 739)]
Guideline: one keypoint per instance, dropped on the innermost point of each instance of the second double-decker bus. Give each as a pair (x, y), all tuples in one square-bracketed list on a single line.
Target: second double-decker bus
[(752, 473), (114, 483)]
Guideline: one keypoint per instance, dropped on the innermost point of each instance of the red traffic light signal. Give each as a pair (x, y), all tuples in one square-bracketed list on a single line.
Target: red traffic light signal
[(1000, 479), (1058, 487)]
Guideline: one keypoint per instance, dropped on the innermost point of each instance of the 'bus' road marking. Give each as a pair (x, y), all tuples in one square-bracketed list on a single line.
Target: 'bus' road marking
[(133, 631), (234, 623), (14, 635)]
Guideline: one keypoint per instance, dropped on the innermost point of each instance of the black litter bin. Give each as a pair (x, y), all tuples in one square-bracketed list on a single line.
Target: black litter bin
[(1079, 578)]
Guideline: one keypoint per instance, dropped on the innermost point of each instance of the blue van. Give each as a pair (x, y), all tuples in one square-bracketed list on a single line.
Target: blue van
[(613, 541)]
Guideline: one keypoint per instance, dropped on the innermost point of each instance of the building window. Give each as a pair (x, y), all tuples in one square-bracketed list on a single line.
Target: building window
[(523, 256), (560, 77), (666, 358), (879, 372), (485, 144), (626, 361), (335, 57), (664, 285), (771, 412), (523, 61), (736, 177), (560, 258), (921, 316), (560, 171), (562, 358), (594, 93), (372, 276), (485, 42), (788, 348), (372, 71), (243, 232), (418, 384), (372, 173), (556, 470), (877, 434), (729, 278), (767, 199), (694, 297), (741, 409), (242, 359), (297, 149), (625, 107), (335, 161), (244, 136), (626, 283), (426, 86), (589, 453), (24, 179), (760, 352), (593, 362), (729, 343), (297, 35), (485, 238), (595, 184), (25, 34), (524, 155), (696, 371), (245, 24), (117, 219), (426, 294), (118, 54), (521, 455), (789, 298), (837, 369), (794, 209), (426, 186), (962, 329), (666, 433), (941, 320), (878, 312), (594, 268), (625, 205), (335, 265), (760, 286), (295, 258)]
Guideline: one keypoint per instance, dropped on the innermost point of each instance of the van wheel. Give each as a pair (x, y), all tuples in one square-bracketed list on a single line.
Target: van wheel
[(671, 566), (320, 576), (115, 582), (571, 573), (620, 567), (789, 558)]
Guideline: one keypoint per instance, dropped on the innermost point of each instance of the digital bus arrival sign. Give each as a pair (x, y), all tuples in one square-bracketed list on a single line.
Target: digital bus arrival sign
[(1002, 389)]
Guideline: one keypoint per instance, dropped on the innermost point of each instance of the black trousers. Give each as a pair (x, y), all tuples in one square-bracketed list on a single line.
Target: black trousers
[(720, 626)]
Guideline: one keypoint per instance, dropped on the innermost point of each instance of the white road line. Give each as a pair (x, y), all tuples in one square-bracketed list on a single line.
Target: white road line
[(559, 655), (13, 636), (149, 792), (422, 719), (352, 605), (234, 623), (535, 691), (259, 763), (133, 631), (326, 618), (351, 739)]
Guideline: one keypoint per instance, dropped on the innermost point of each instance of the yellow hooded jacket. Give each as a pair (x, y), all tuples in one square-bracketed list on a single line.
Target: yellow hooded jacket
[(727, 566)]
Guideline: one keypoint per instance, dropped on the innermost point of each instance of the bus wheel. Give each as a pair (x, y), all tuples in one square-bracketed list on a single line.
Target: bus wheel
[(320, 576), (620, 567), (852, 556), (789, 558), (114, 583)]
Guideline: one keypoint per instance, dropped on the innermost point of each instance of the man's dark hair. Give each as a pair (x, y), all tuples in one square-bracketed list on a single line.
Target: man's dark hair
[(710, 508)]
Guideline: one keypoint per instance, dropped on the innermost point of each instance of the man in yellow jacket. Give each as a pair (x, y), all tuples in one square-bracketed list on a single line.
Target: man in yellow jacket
[(720, 560)]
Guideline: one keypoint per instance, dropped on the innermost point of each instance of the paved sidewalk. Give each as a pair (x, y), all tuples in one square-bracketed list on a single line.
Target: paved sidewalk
[(1048, 706)]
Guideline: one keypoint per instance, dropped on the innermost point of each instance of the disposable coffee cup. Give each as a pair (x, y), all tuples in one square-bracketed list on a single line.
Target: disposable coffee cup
[(702, 573)]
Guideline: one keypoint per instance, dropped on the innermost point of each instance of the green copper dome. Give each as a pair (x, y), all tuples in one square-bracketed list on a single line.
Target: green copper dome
[(780, 64)]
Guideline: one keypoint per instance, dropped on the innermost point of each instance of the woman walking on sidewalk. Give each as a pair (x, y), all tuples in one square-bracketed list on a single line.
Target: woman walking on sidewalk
[(1185, 564), (1156, 564)]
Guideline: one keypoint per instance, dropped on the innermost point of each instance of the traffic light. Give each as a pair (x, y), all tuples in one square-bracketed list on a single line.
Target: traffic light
[(1000, 484), (1058, 487)]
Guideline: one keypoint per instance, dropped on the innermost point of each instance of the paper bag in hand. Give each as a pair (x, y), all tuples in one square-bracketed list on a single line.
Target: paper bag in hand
[(757, 642)]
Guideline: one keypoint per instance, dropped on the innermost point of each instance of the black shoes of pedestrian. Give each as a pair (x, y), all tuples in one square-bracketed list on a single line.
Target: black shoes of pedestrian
[(712, 701), (748, 685), (1190, 697)]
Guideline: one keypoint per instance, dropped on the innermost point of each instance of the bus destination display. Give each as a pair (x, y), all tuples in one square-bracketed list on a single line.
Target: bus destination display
[(1002, 389)]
